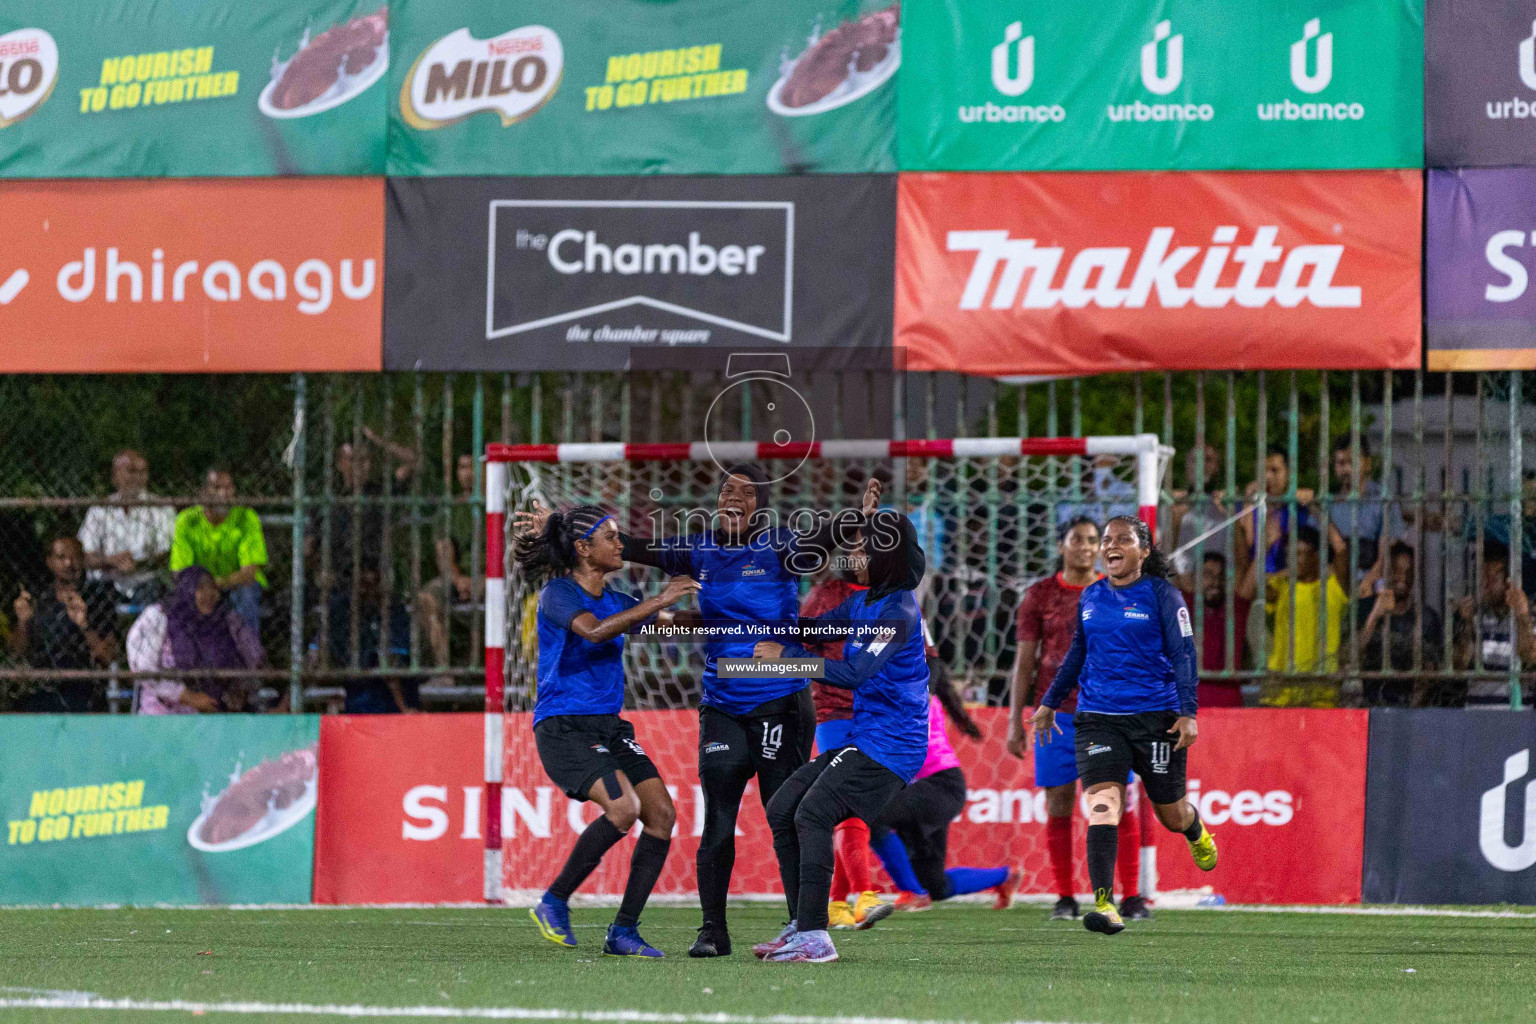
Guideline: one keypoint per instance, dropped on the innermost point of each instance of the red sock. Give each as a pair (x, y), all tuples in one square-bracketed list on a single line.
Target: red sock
[(840, 886), (1128, 860), (1058, 842), (852, 849)]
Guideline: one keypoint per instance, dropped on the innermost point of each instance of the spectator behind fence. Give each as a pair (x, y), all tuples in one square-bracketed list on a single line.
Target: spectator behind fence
[(193, 628), (1277, 511), (1193, 516), (70, 624), (1397, 604), (1309, 593), (371, 696), (1374, 519), (1488, 630), (126, 542), (1221, 693), (453, 584), (225, 539)]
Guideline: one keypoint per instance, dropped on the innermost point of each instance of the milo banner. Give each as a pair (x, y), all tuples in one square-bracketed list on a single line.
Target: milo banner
[(577, 273), (174, 809), (1189, 84), (1450, 808), (1480, 239), (643, 86), (1480, 83), (194, 88), (1009, 274)]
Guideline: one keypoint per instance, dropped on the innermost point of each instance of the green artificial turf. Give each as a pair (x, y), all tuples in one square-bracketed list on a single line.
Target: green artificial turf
[(952, 963)]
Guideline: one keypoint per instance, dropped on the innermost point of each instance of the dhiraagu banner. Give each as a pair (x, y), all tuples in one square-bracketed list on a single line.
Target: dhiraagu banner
[(1170, 84), (577, 87), (194, 88), (166, 809)]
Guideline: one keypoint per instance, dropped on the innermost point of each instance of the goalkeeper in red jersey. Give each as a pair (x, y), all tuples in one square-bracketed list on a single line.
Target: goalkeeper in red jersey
[(1047, 621)]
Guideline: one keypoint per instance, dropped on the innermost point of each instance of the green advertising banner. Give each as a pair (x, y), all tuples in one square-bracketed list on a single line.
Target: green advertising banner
[(530, 87), (195, 88), (1166, 84), (163, 809)]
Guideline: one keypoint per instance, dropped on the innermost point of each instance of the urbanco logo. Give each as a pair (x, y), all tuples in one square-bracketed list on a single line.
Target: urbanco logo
[(1165, 83), (1014, 81), (1318, 80), (1496, 849), (1528, 58)]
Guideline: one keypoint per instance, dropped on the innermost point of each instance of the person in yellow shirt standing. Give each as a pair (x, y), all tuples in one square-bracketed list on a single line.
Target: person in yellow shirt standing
[(1309, 591), (225, 539)]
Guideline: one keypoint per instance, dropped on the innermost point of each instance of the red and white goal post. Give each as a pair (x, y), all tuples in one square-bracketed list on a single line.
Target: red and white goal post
[(990, 508)]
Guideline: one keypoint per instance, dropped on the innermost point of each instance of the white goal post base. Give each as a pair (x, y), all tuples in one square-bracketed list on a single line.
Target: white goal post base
[(1149, 454)]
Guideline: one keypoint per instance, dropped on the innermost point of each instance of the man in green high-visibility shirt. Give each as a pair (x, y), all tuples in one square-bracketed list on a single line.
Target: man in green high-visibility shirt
[(225, 539)]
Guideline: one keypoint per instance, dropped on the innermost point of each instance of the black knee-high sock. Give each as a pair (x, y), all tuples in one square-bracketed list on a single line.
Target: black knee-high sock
[(588, 852), (1103, 845), (1193, 832), (644, 868)]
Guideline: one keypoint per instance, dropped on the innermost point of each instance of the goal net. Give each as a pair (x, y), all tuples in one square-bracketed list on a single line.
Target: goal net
[(988, 512)]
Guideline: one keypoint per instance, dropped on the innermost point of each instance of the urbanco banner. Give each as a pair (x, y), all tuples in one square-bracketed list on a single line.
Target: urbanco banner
[(1479, 83), (574, 273), (169, 809), (248, 275), (1480, 248), (644, 87), (1007, 274), (1451, 807), (1179, 84), (195, 88)]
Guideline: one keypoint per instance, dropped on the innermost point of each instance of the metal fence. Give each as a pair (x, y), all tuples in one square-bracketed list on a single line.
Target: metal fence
[(369, 497)]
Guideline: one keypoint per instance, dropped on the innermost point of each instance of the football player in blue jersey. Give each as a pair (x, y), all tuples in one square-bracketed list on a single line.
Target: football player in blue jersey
[(748, 569), (586, 748), (885, 665), (1133, 661)]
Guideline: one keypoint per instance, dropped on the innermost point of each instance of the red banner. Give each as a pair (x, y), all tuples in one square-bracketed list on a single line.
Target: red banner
[(400, 800), (1080, 273), (400, 809), (237, 275)]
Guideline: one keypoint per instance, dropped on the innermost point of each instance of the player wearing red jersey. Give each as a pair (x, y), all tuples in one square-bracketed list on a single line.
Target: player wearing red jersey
[(1046, 623)]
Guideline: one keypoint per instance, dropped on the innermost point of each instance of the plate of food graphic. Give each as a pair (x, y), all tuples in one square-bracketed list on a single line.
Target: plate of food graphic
[(329, 69), (258, 804), (851, 61)]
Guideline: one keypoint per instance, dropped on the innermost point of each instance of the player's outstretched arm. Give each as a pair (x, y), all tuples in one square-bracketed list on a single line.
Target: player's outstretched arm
[(595, 631)]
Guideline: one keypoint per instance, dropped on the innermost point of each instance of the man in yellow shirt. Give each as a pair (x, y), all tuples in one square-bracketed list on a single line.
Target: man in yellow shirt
[(225, 539), (1310, 588)]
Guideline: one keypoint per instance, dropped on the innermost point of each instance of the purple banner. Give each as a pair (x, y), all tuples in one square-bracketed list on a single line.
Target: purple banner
[(1479, 83), (1480, 252)]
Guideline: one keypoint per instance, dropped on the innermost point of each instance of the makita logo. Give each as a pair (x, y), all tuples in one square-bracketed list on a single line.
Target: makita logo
[(513, 74), (1102, 276)]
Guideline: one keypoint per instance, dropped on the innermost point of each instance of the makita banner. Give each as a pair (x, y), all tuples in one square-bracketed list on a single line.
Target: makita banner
[(639, 87), (1190, 84), (401, 810), (1451, 807), (1009, 274), (1479, 83), (195, 88), (574, 273), (1480, 248)]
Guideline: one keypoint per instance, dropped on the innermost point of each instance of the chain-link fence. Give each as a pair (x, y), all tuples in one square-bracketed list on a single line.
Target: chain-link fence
[(363, 497)]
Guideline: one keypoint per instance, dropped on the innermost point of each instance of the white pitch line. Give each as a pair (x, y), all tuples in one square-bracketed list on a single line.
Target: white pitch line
[(84, 1001), (1406, 911)]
